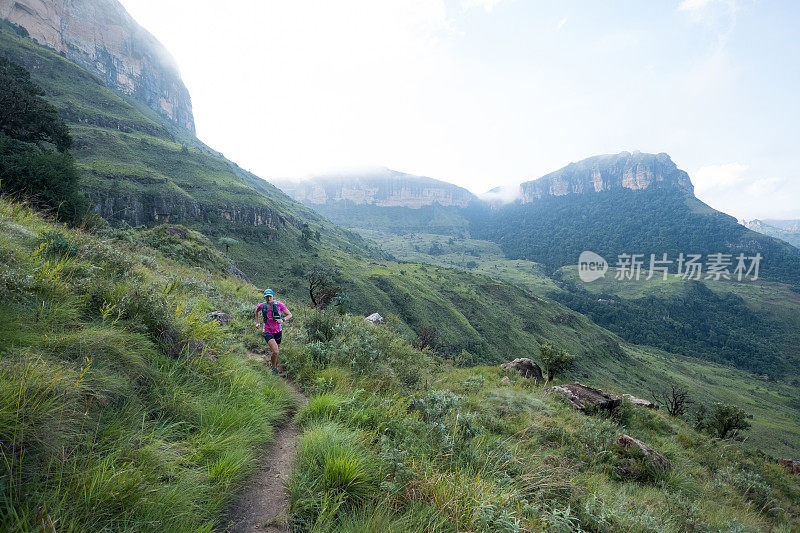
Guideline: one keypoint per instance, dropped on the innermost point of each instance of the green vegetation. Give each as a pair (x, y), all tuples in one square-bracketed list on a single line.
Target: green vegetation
[(394, 440), (554, 362), (555, 230), (739, 323), (121, 405), (637, 369), (34, 162), (434, 218), (724, 421)]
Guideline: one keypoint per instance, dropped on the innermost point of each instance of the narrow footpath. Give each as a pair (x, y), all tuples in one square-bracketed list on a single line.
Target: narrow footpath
[(262, 503)]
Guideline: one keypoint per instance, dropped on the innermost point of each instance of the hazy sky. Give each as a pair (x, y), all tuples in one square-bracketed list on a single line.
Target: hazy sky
[(489, 92)]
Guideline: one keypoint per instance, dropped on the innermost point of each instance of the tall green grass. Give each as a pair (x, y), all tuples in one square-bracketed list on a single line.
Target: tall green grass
[(457, 449), (121, 406)]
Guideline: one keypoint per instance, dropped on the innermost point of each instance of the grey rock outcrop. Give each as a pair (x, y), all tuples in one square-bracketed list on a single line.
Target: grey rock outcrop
[(527, 367), (791, 465), (100, 36), (220, 316), (586, 398), (375, 318), (148, 209), (641, 402), (626, 441)]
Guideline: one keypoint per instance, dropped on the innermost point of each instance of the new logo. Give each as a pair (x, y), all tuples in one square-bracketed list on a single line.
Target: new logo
[(591, 266)]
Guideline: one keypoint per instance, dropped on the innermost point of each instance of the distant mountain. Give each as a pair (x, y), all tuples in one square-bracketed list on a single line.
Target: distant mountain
[(385, 199), (626, 170), (787, 225), (629, 203), (382, 187), (101, 37), (786, 230)]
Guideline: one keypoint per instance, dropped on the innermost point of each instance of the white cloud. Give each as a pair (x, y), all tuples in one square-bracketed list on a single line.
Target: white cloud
[(735, 189), (765, 187), (694, 5), (719, 177), (487, 5), (562, 22), (502, 194)]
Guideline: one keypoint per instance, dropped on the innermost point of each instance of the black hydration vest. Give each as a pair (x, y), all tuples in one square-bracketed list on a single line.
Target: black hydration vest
[(276, 314)]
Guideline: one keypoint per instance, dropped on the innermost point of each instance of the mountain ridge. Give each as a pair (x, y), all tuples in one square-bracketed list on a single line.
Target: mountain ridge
[(382, 187), (625, 170), (103, 38)]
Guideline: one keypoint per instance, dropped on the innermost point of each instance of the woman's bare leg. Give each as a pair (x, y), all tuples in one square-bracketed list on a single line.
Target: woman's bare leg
[(274, 356)]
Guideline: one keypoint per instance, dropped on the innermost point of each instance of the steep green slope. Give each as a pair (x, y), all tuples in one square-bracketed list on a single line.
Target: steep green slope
[(140, 169), (122, 406)]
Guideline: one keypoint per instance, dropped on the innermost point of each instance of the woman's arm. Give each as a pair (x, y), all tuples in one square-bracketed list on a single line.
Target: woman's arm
[(258, 321), (286, 313)]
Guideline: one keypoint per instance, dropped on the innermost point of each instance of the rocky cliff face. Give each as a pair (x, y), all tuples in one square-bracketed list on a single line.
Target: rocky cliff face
[(151, 209), (103, 38), (606, 172), (382, 187)]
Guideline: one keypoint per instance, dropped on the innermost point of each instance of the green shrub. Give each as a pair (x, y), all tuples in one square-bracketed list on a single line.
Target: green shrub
[(726, 421), (55, 243), (333, 472), (321, 325), (319, 408)]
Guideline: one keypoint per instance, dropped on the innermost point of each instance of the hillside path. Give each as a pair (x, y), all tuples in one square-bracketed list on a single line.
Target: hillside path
[(262, 503)]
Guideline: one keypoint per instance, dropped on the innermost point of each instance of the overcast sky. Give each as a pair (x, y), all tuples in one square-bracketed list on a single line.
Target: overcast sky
[(488, 92)]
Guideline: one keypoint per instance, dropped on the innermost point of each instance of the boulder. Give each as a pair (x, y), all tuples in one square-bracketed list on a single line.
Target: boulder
[(505, 380), (626, 441), (792, 465), (180, 232), (220, 316), (586, 398), (526, 367), (375, 318), (640, 402)]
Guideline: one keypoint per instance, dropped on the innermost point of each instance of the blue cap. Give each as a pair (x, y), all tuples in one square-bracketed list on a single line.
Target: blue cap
[(268, 292)]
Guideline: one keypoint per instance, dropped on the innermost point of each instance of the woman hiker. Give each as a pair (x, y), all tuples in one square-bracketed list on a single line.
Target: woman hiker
[(274, 314)]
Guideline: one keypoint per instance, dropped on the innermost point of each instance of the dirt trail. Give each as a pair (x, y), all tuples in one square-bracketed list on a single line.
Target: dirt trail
[(262, 503)]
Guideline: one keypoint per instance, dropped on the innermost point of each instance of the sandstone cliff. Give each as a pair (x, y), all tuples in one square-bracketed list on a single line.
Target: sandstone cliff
[(380, 187), (606, 172), (103, 38)]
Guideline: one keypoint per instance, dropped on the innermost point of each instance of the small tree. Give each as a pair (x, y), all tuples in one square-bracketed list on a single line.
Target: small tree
[(427, 338), (727, 421), (227, 242), (306, 234), (554, 361), (676, 400), (322, 287)]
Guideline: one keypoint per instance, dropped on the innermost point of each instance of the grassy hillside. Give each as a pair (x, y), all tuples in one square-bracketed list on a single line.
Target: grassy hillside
[(641, 369), (752, 324), (395, 441), (121, 405), (433, 218)]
